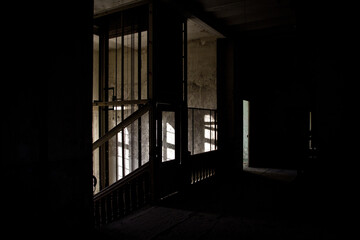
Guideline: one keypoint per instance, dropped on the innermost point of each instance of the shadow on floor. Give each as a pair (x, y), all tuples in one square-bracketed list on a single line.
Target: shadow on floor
[(268, 204)]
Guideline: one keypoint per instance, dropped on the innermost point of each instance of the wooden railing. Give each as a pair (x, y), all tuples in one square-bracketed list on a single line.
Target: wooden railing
[(123, 197), (123, 124), (133, 191), (202, 166)]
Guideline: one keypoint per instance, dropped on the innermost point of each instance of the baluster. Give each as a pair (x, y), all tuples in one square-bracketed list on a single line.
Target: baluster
[(102, 211), (130, 197), (121, 202), (147, 188), (115, 205), (138, 192), (96, 213), (133, 194), (107, 209), (141, 191), (124, 199), (111, 207)]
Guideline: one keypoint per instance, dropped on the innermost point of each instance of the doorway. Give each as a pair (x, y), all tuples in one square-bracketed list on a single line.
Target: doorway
[(246, 111)]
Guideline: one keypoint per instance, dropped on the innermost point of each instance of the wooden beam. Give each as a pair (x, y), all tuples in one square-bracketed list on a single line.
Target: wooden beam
[(119, 103), (127, 121)]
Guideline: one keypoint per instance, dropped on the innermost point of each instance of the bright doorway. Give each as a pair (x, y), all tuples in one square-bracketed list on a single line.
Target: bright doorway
[(246, 111)]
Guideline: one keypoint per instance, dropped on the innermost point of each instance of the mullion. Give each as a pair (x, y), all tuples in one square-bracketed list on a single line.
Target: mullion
[(122, 92), (139, 96)]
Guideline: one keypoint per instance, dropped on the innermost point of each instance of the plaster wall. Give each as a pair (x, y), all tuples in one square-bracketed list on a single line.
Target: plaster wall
[(202, 73), (202, 94)]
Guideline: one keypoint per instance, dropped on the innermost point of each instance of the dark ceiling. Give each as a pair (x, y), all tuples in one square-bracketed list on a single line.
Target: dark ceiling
[(239, 15), (229, 15)]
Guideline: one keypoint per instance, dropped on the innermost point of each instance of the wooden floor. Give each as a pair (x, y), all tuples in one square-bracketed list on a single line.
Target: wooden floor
[(260, 204)]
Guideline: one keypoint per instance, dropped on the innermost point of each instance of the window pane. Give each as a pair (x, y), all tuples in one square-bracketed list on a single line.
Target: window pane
[(168, 136)]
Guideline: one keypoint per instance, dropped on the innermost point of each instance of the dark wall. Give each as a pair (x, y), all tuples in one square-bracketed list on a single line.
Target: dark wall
[(266, 75), (167, 52), (47, 129), (229, 109), (286, 73), (261, 67)]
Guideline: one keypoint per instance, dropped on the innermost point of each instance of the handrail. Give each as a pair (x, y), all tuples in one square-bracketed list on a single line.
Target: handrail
[(202, 166), (123, 197), (134, 174), (123, 124), (120, 103), (202, 109), (134, 191)]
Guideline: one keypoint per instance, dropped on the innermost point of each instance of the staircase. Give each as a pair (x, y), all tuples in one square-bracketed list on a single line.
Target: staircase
[(135, 190)]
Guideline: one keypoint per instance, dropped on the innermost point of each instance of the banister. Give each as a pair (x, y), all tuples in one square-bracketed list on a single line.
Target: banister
[(133, 191), (133, 175), (119, 103), (123, 197), (123, 124)]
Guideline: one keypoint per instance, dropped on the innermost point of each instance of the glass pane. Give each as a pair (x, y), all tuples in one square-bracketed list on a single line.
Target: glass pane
[(202, 130), (198, 129), (127, 150), (190, 131), (245, 132), (168, 136), (112, 159), (119, 53), (96, 68), (144, 67), (144, 139)]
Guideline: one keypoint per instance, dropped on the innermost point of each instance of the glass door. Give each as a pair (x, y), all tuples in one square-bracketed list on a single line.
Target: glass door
[(167, 134)]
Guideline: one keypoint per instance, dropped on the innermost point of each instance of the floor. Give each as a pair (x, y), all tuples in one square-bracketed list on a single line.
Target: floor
[(260, 204), (287, 175)]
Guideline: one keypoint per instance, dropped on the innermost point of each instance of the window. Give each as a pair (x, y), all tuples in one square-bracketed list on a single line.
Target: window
[(168, 136), (209, 133), (123, 150), (170, 142), (120, 87)]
